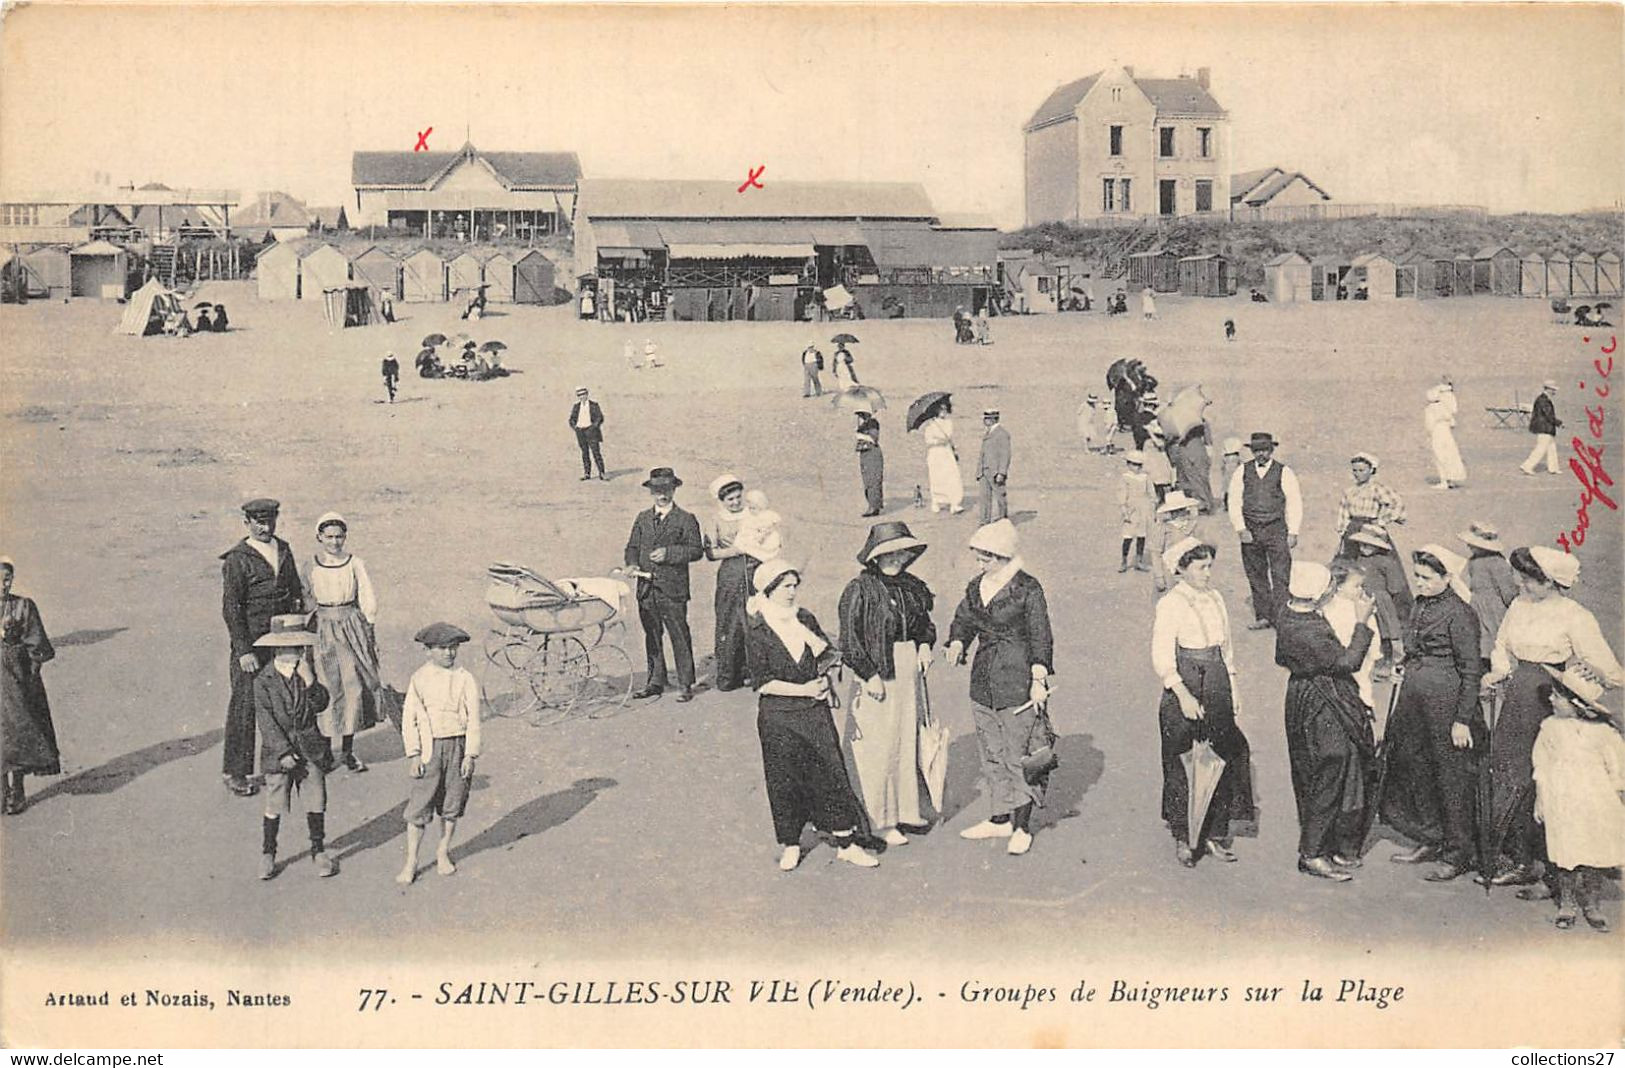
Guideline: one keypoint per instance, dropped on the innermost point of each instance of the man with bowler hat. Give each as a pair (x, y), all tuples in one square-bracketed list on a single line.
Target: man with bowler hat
[(993, 467), (260, 580), (1266, 510), (664, 541), (587, 420)]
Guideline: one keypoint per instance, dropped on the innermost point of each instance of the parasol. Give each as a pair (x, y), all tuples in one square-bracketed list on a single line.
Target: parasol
[(1489, 842), (924, 407), (1379, 760), (1203, 767), (203, 304), (1117, 373), (426, 354), (844, 339), (933, 745), (433, 340), (865, 397), (493, 346)]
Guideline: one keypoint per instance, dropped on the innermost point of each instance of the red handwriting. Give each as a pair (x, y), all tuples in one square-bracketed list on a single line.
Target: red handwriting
[(423, 140), (751, 182), (1586, 463)]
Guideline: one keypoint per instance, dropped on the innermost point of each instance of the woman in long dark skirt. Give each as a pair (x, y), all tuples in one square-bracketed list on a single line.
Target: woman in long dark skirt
[(1328, 728), (1543, 627), (1435, 733), (801, 753), (1191, 652), (25, 715), (733, 581)]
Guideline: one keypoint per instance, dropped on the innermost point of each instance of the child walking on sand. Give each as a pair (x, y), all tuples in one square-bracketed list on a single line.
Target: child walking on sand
[(1137, 501), (293, 752), (440, 725), (1579, 763)]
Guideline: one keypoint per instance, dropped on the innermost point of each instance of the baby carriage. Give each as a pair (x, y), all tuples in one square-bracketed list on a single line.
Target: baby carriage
[(556, 651)]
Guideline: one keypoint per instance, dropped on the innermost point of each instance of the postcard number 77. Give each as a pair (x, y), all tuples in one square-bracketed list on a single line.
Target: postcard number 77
[(377, 999)]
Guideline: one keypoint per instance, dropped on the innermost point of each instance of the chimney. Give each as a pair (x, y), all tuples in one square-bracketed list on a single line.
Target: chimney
[(1203, 76), (1129, 71)]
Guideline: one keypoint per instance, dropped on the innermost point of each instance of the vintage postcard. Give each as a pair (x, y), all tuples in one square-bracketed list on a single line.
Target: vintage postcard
[(811, 525)]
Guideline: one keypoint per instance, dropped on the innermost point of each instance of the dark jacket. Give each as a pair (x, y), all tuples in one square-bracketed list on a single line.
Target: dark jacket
[(286, 710), (879, 611), (1015, 634), (1543, 416), (252, 593), (595, 432), (769, 661), (1443, 633), (679, 535)]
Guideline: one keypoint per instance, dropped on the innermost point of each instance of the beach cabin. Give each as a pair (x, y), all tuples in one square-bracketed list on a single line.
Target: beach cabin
[(1532, 274), (321, 268), (1608, 279), (276, 272), (48, 273), (350, 304), (378, 269), (11, 276), (1155, 267), (1376, 273), (1040, 284), (465, 272), (1496, 270), (1286, 278), (1417, 275), (533, 279), (499, 279), (1464, 277), (1583, 275), (99, 269), (1325, 273), (1558, 275), (423, 277), (1204, 276)]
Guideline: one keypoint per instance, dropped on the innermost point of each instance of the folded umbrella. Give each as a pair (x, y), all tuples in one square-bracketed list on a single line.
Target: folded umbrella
[(934, 739), (1203, 768), (866, 397), (924, 407), (1379, 769)]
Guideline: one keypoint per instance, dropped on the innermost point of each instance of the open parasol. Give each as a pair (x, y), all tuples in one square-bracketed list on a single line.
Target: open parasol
[(433, 340), (1117, 373), (924, 407), (844, 338), (866, 397), (203, 304), (493, 346), (1203, 767)]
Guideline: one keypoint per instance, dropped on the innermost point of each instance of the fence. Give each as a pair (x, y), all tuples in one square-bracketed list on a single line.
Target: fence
[(1315, 212)]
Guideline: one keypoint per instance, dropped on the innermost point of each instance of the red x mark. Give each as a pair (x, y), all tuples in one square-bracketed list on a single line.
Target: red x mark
[(423, 140), (755, 173)]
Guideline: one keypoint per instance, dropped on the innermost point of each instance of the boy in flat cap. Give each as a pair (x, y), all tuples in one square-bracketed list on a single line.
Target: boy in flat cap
[(287, 699), (260, 580), (440, 726)]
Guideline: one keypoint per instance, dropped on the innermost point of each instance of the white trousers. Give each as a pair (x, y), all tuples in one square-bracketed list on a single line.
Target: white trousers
[(1545, 446)]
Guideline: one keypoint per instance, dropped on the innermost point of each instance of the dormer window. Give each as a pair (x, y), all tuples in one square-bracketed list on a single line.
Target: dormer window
[(1117, 94)]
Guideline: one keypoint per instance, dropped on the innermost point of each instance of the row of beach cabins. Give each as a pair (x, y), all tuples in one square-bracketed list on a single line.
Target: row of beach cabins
[(304, 270), (1495, 271)]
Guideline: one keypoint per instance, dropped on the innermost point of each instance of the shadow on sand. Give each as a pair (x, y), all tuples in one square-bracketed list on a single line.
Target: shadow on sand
[(1082, 765), (87, 637), (123, 770), (535, 817)]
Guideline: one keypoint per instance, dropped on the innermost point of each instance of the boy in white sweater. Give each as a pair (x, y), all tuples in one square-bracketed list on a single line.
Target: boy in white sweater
[(440, 725)]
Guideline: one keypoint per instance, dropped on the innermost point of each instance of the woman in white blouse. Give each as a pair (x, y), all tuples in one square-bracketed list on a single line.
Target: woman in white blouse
[(338, 587), (1541, 627), (942, 461), (1191, 653)]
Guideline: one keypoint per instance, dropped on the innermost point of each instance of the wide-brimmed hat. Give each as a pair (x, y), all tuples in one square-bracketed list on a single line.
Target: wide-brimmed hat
[(1370, 536), (581, 391), (765, 577), (1232, 446), (890, 537), (1177, 501), (1364, 457), (286, 632), (1134, 456), (329, 519), (998, 538), (1262, 439), (1560, 567), (662, 478), (261, 507), (1309, 581), (1481, 535), (1549, 384), (436, 634), (1586, 691), (1454, 563), (724, 483), (1176, 552)]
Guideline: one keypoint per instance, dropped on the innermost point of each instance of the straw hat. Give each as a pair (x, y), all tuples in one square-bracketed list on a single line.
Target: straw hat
[(998, 538), (1135, 457), (286, 632), (1481, 535), (1232, 446), (1371, 536), (1560, 567), (890, 537), (1309, 580), (1587, 692), (1177, 501)]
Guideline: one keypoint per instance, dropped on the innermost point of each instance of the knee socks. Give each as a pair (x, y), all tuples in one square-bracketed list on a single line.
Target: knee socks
[(268, 829), (317, 822), (1139, 549), (1126, 543)]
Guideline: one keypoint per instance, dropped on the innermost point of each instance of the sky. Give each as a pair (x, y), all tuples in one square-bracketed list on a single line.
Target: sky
[(1511, 108)]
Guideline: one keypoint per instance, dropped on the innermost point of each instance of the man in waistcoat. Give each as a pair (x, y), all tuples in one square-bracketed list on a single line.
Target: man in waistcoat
[(1266, 510), (259, 580)]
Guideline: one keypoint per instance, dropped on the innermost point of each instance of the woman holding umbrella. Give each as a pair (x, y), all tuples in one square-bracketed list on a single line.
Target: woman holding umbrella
[(1192, 655), (932, 415), (1543, 627), (846, 378), (886, 639), (1005, 613)]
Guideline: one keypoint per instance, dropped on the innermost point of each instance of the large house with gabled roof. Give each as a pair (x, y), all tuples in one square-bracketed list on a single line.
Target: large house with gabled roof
[(476, 194), (1117, 145)]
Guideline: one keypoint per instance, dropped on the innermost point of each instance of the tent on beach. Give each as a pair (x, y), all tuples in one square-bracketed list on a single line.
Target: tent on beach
[(147, 309)]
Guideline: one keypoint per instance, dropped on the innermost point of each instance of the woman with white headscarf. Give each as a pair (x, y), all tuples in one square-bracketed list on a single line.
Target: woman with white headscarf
[(1432, 740), (1439, 417), (346, 653)]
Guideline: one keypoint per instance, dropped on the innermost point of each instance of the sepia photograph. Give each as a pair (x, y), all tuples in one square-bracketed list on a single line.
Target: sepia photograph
[(811, 525)]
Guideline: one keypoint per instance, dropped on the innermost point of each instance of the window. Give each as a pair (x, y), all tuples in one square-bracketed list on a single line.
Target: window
[(1166, 148), (19, 214), (1107, 203), (1127, 203), (1204, 141), (1204, 195), (1117, 94), (1117, 140)]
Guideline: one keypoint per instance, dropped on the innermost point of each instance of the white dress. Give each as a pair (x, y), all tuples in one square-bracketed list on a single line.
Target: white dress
[(1579, 771), (1440, 417), (942, 464)]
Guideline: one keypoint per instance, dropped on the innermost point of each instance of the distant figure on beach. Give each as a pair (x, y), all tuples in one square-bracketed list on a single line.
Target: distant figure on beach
[(1440, 418), (1148, 304), (391, 369), (812, 362), (221, 322), (205, 321)]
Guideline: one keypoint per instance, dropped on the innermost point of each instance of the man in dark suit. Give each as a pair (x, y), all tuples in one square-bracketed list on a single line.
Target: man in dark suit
[(664, 541), (1543, 423), (587, 420), (259, 580)]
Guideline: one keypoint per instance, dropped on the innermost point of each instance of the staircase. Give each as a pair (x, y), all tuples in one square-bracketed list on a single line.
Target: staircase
[(1138, 239), (162, 264)]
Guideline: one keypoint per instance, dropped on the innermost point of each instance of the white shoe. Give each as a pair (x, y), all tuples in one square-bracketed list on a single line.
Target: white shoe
[(894, 837), (790, 858), (1020, 842), (987, 829), (853, 855)]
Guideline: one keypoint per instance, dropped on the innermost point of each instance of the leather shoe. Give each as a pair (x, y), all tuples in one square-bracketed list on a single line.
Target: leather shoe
[(1520, 875), (648, 691), (1219, 851), (1260, 624), (1347, 862), (686, 696), (1420, 855), (1184, 855), (1537, 892), (1444, 873), (241, 786), (1321, 868)]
